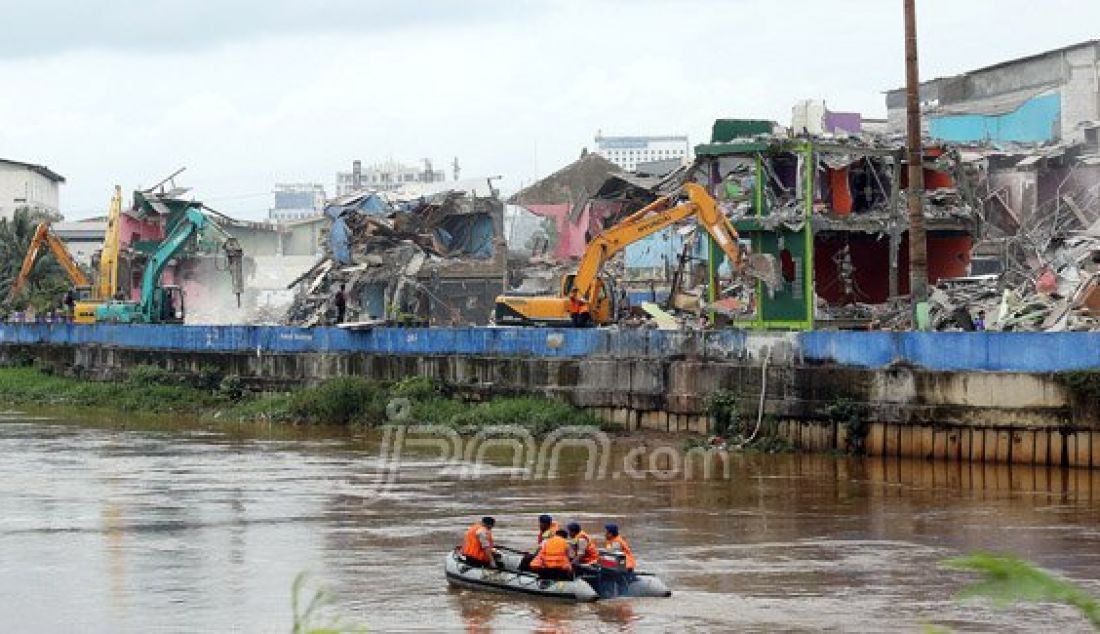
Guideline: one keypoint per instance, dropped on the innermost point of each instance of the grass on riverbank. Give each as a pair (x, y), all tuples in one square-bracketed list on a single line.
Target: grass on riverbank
[(340, 401)]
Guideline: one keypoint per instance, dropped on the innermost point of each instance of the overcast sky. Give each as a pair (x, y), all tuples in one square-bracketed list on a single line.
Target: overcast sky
[(252, 92)]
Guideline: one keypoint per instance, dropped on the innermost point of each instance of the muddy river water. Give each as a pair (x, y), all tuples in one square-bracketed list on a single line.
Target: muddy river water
[(119, 528)]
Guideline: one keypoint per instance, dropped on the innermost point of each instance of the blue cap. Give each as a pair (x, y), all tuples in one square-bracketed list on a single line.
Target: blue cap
[(573, 527), (612, 528), (545, 519)]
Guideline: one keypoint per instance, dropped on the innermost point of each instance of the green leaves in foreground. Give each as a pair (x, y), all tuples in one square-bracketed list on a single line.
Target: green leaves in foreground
[(1006, 580), (306, 618)]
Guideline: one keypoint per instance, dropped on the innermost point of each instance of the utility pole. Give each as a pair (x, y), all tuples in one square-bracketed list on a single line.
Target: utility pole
[(918, 243)]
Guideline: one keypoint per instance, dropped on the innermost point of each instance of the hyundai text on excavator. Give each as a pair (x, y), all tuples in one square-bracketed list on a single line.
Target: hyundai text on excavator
[(596, 292)]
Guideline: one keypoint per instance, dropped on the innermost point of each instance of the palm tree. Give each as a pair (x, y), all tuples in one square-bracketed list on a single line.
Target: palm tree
[(46, 280)]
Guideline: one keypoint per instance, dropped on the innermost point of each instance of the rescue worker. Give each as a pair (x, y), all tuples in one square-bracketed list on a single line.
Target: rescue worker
[(477, 548), (583, 547), (547, 528), (616, 543), (552, 560), (578, 309)]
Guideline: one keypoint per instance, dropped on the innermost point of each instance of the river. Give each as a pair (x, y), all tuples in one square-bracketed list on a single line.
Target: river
[(107, 527)]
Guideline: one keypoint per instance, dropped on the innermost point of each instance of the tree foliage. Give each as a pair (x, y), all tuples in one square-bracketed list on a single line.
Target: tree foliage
[(47, 280)]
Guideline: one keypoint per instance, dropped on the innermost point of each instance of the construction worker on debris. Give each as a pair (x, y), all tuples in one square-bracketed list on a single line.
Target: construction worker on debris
[(341, 301), (616, 543), (583, 547), (477, 548), (578, 309), (552, 560)]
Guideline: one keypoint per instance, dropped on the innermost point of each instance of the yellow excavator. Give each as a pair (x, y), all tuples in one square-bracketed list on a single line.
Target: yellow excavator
[(594, 291), (43, 235), (88, 297), (107, 282)]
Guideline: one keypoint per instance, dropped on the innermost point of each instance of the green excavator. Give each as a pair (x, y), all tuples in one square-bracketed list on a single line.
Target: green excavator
[(164, 304)]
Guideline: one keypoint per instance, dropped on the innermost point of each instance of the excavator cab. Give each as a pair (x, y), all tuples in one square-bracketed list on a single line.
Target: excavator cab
[(168, 304), (603, 309)]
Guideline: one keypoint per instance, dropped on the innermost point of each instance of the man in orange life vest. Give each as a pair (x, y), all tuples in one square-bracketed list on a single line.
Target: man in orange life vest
[(552, 560), (477, 548), (578, 309), (583, 547), (616, 543), (547, 528)]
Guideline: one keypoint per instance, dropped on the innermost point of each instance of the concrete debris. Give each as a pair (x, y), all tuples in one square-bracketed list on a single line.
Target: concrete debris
[(436, 260), (1060, 293)]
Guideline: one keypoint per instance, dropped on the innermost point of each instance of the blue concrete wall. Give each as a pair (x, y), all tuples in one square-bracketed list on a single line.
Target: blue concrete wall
[(1035, 121), (987, 351)]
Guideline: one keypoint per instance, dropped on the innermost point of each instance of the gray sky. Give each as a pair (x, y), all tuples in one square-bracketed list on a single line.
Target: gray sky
[(247, 93)]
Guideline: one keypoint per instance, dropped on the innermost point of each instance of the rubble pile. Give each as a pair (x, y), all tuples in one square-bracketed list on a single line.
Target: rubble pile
[(1054, 289), (385, 251)]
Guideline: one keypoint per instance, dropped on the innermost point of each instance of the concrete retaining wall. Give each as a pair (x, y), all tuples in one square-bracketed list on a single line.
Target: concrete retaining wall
[(965, 396), (985, 351)]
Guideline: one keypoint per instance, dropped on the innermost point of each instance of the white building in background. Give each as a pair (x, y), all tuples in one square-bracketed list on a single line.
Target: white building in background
[(628, 151), (386, 176), (27, 185), (82, 238), (294, 201)]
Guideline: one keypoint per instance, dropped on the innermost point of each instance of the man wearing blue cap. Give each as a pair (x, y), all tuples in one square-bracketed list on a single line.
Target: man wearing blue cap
[(547, 528), (617, 543)]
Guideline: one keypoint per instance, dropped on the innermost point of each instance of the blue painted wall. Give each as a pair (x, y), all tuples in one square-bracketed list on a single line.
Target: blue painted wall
[(665, 246), (1035, 121), (988, 351)]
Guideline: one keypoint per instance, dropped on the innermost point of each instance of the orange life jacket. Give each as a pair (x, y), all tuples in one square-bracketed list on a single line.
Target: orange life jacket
[(575, 305), (548, 533), (471, 547), (553, 555), (590, 555), (618, 543)]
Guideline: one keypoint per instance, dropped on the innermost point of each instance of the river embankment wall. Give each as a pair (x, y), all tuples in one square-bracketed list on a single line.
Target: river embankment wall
[(978, 397)]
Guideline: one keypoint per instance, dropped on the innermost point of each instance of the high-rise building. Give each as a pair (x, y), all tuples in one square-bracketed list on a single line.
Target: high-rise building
[(386, 176), (294, 201), (628, 151)]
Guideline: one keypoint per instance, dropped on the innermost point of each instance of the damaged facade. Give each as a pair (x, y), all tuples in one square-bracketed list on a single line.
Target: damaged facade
[(432, 260)]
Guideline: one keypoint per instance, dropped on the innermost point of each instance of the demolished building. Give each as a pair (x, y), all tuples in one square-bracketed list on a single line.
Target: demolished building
[(437, 259)]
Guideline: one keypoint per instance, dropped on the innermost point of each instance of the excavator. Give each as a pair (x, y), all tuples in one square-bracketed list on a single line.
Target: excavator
[(88, 296), (43, 235), (595, 291), (164, 303)]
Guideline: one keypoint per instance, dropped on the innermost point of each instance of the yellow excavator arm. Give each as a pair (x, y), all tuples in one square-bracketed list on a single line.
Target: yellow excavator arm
[(42, 234), (645, 222), (107, 283), (649, 220)]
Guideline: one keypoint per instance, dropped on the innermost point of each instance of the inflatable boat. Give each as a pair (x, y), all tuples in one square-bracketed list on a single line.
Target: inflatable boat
[(508, 578), (607, 581)]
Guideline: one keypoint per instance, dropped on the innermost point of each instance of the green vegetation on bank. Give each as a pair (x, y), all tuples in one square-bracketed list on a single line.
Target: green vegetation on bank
[(340, 401)]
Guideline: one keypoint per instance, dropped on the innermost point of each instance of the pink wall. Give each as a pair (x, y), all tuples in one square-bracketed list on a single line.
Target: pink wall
[(573, 237), (132, 230), (570, 236)]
